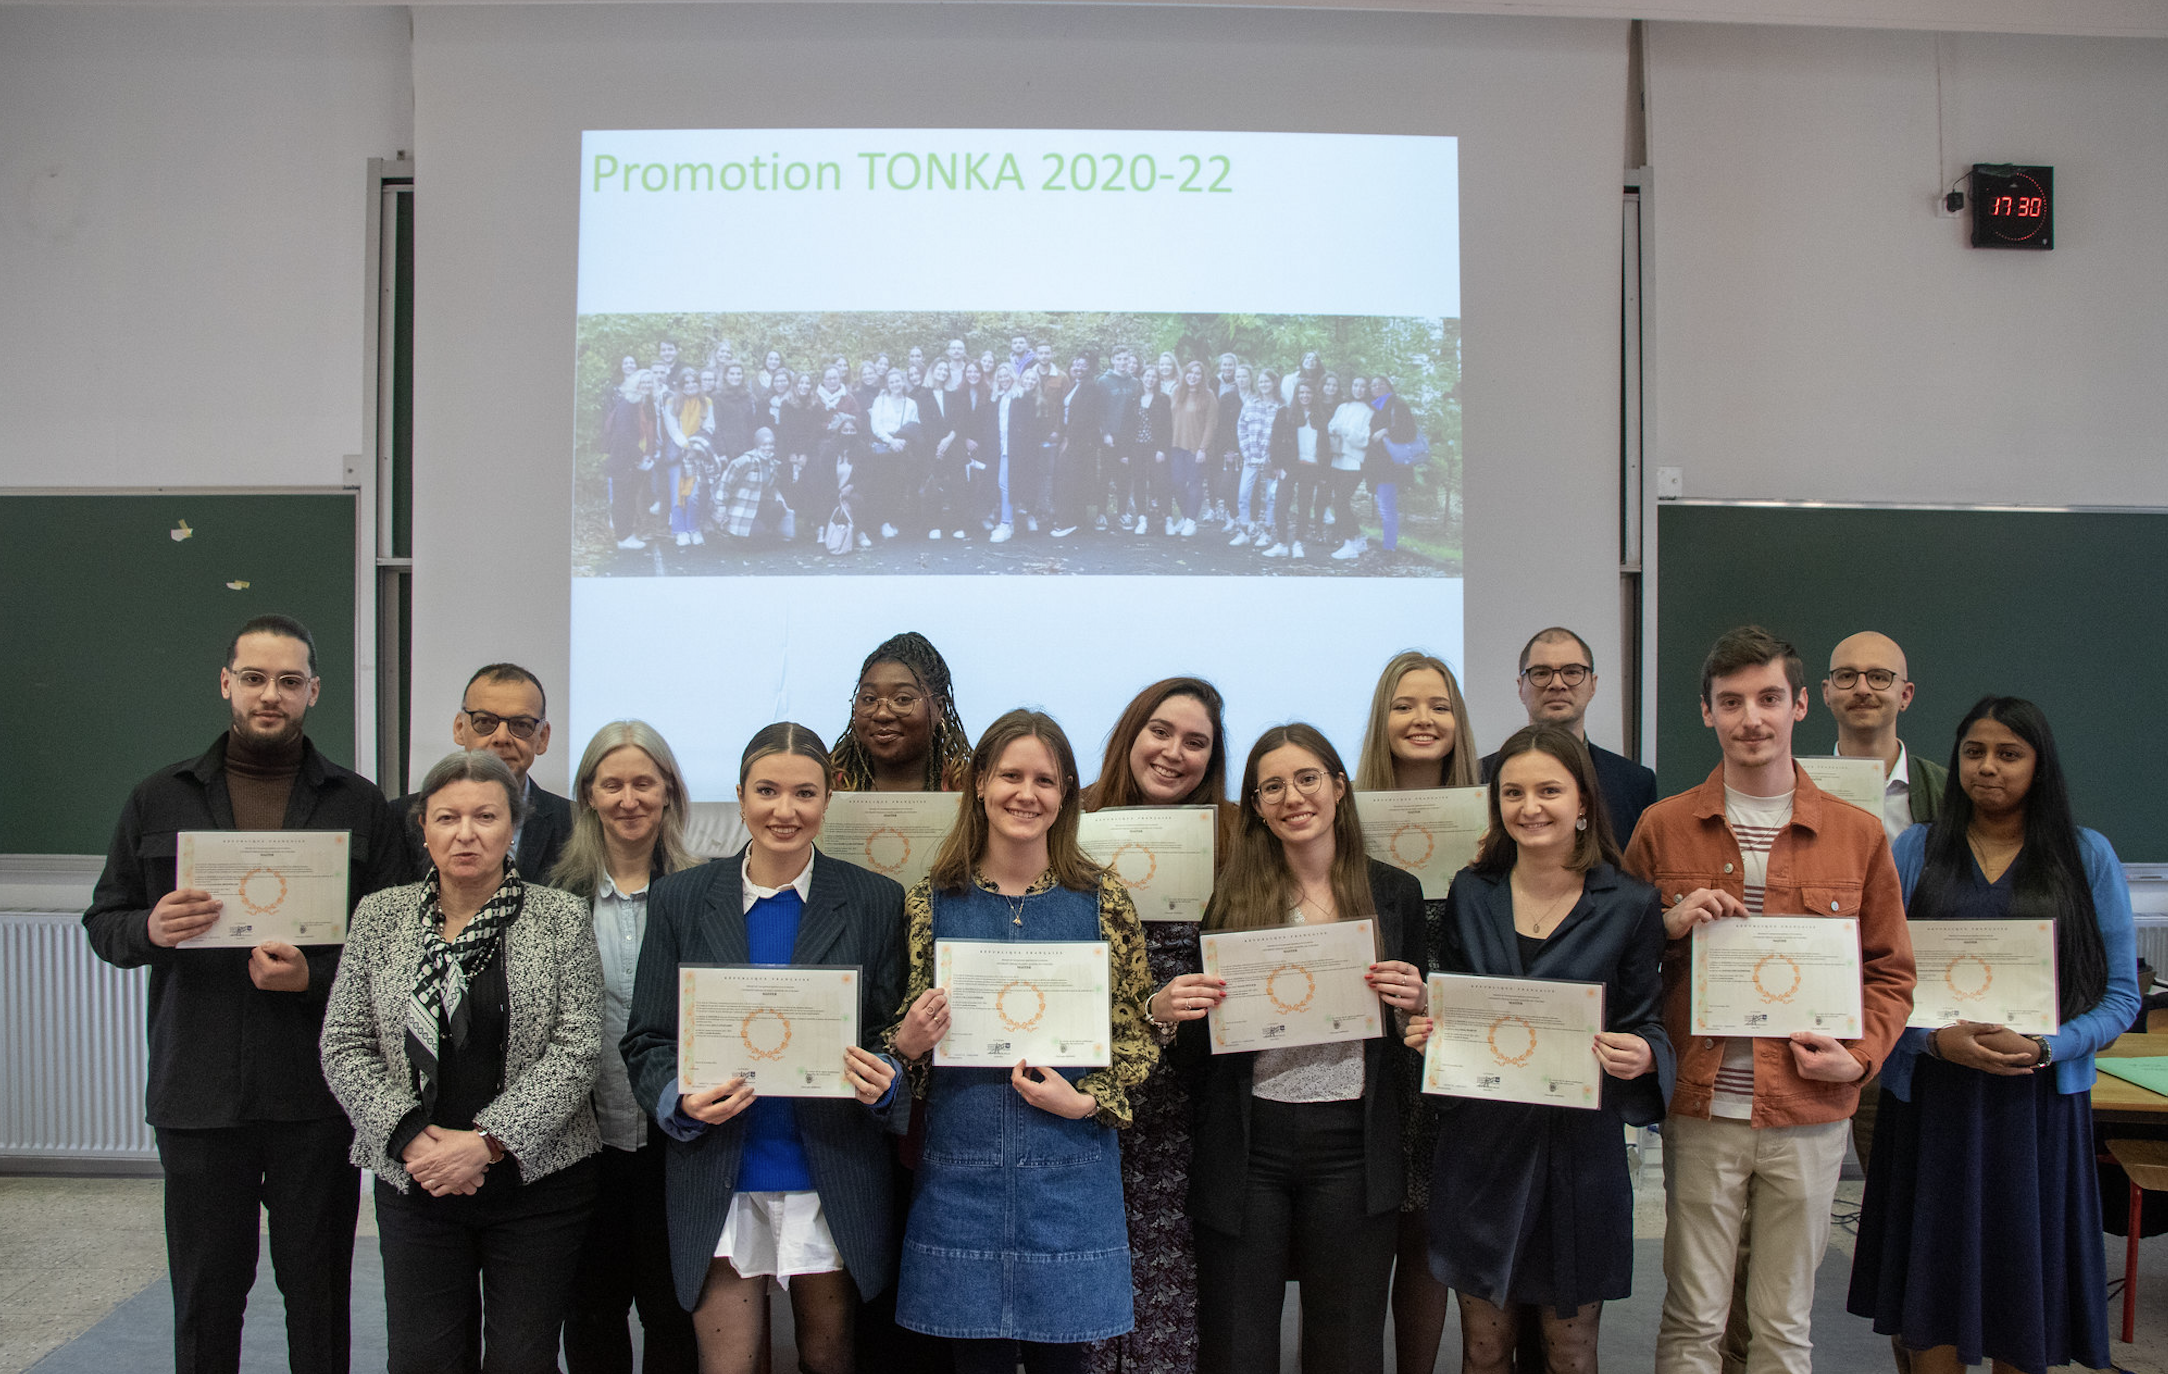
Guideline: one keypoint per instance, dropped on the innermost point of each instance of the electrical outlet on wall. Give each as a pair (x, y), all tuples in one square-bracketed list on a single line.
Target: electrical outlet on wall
[(1670, 486)]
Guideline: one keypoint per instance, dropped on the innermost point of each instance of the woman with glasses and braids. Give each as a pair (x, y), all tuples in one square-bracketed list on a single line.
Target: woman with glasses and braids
[(462, 1037), (1297, 1167), (904, 734), (1979, 1236)]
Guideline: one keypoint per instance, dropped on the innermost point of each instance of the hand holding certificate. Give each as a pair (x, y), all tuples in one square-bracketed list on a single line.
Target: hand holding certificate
[(274, 885), (1999, 972), (1431, 832), (1774, 975), (1046, 1002), (1858, 781), (1514, 1040), (1293, 985), (782, 1030), (892, 833), (1162, 854)]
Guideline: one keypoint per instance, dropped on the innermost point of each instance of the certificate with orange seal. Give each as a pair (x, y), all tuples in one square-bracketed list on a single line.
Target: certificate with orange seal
[(2000, 972), (1514, 1040), (1773, 975), (1162, 854), (1293, 985), (1048, 1003), (892, 833), (287, 885), (1858, 781), (781, 1028), (1431, 832)]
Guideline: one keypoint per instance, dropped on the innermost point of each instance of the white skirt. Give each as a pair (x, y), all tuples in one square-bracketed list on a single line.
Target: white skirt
[(778, 1233)]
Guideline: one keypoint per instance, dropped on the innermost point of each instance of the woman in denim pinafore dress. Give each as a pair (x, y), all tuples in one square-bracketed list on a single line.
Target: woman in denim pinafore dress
[(1017, 1235)]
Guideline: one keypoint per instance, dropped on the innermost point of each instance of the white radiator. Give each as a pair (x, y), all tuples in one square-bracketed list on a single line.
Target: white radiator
[(72, 1050)]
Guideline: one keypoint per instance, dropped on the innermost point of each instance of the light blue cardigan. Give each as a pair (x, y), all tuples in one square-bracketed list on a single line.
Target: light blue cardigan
[(2075, 1044)]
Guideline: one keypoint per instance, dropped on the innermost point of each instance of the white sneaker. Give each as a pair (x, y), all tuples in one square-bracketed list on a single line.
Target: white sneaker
[(632, 541), (1276, 551), (1127, 523), (1174, 526), (655, 509), (1189, 527), (888, 531), (1099, 523), (1348, 550), (865, 540), (684, 540), (1144, 526), (1297, 551), (1002, 534), (1064, 531), (960, 534), (933, 534), (1240, 541)]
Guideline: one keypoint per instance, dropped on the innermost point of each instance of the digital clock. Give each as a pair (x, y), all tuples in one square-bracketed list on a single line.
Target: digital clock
[(2012, 207)]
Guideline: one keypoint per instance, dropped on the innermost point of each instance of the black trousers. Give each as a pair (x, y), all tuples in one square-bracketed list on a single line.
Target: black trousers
[(1306, 1216), (625, 1265), (215, 1181), (521, 1241)]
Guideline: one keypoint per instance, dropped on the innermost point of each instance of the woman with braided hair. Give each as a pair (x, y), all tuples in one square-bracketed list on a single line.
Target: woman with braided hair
[(904, 734)]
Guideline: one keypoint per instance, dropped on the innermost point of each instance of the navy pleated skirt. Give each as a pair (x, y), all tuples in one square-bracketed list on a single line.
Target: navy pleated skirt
[(1981, 1222)]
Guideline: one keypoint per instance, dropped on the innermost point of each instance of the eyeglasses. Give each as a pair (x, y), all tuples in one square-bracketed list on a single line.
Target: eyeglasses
[(1844, 679), (1572, 674), (903, 703), (255, 680), (485, 724), (1273, 791)]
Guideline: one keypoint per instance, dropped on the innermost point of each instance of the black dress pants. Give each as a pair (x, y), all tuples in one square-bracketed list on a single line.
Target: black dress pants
[(1306, 1216), (624, 1265), (215, 1182), (480, 1282)]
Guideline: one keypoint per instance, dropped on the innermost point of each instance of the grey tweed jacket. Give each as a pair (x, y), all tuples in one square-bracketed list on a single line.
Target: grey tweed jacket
[(553, 980)]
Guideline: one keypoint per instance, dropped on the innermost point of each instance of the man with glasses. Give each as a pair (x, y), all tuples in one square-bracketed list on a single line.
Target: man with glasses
[(506, 712), (1866, 691), (236, 1093), (1557, 680)]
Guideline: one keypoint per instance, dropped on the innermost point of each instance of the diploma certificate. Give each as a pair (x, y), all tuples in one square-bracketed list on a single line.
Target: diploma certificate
[(781, 1029), (1514, 1040), (892, 833), (1431, 832), (714, 829), (2000, 972), (1162, 854), (1773, 975), (1046, 1002), (1858, 781), (285, 885), (1293, 985)]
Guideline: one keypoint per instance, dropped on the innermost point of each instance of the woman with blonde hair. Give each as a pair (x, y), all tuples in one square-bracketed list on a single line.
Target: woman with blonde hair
[(628, 829), (1417, 737), (1298, 1165)]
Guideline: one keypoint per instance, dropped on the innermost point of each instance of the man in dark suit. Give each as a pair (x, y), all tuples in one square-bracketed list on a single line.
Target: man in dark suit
[(1557, 680), (506, 712)]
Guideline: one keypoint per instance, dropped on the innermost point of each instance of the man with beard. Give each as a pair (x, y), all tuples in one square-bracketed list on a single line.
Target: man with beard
[(505, 711), (236, 1094)]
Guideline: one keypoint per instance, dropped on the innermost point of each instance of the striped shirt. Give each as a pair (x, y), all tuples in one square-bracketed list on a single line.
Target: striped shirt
[(1755, 823)]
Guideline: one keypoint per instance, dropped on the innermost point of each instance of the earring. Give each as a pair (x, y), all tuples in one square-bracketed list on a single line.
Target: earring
[(1580, 822)]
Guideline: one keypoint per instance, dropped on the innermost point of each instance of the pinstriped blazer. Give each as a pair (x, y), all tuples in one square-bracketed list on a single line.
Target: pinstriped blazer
[(851, 916)]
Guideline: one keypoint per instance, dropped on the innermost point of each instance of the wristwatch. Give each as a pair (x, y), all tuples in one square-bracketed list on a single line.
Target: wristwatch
[(2047, 1055)]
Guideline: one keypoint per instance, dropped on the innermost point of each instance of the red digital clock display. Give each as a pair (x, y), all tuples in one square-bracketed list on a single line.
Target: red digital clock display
[(2012, 206)]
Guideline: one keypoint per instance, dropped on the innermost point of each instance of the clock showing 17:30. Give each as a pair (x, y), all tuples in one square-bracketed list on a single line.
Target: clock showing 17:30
[(2012, 206)]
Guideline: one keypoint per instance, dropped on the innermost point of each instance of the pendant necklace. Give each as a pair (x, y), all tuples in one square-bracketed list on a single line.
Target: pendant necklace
[(1016, 908)]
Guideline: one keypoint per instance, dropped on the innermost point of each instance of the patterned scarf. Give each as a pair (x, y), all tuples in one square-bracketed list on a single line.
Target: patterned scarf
[(438, 1008)]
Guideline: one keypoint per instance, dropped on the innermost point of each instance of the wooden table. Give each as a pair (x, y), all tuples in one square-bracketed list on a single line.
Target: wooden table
[(2116, 1099)]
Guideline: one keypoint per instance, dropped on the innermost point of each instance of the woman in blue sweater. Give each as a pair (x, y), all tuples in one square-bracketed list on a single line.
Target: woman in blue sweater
[(1980, 1232)]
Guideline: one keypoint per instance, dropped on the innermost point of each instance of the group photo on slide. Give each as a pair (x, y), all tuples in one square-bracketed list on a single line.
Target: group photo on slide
[(960, 442)]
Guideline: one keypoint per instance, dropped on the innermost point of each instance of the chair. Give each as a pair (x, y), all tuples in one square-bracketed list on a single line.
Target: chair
[(2146, 1162)]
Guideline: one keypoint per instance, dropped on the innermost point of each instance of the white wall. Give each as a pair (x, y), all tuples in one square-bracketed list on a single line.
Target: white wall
[(181, 239), (1821, 333), (501, 95)]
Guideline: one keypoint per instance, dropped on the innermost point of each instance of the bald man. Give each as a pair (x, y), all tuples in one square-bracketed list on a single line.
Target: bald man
[(1866, 690)]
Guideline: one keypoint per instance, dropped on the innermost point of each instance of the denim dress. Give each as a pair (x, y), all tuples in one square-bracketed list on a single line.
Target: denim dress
[(1016, 1229)]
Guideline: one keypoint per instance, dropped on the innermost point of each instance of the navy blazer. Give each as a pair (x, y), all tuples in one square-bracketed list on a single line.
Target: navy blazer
[(1219, 1176), (1613, 935), (851, 916)]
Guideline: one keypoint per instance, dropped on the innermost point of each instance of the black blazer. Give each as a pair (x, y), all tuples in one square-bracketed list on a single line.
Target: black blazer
[(1219, 1084), (1628, 788), (542, 836), (851, 917)]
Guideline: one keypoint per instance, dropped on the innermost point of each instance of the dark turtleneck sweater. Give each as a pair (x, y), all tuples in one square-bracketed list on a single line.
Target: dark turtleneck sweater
[(260, 780)]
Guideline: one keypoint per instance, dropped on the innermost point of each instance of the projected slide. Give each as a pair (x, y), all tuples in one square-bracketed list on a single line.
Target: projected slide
[(1129, 403)]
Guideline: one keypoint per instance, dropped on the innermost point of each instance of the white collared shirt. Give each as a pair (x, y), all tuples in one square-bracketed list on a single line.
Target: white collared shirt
[(1897, 795), (754, 891)]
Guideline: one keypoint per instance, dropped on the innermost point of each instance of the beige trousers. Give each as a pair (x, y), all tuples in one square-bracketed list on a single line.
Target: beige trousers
[(1712, 1170)]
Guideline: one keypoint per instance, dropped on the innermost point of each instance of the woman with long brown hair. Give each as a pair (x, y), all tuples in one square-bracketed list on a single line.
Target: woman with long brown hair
[(1298, 1165), (1168, 749)]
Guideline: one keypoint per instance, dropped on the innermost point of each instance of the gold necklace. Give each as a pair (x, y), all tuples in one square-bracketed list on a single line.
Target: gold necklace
[(1327, 911), (1552, 911), (1016, 907)]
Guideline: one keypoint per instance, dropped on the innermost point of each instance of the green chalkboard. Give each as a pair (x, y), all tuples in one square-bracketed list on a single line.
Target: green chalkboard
[(2068, 608), (114, 632)]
